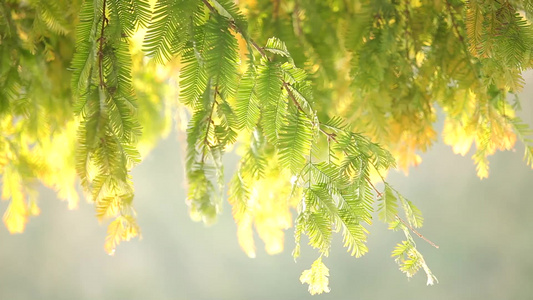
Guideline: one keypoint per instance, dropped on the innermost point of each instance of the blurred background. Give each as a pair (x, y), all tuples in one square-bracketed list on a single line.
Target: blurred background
[(483, 229)]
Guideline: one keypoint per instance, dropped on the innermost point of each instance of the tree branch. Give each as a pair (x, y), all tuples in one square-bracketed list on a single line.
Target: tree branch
[(209, 121), (454, 21), (330, 136), (416, 232), (101, 47)]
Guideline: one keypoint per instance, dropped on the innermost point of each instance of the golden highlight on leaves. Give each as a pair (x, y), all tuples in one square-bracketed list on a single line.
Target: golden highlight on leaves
[(472, 122), (17, 213), (316, 277), (58, 154), (265, 207), (245, 235), (123, 228), (474, 27), (330, 74), (16, 216), (455, 134)]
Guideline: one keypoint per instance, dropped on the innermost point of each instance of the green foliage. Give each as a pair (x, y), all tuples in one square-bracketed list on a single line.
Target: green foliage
[(272, 97), (109, 127), (409, 259), (229, 11), (388, 207), (322, 98), (276, 46), (247, 106), (169, 28), (295, 141)]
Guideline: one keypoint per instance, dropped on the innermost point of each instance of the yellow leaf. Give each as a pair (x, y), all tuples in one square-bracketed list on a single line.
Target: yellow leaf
[(59, 172), (245, 236), (107, 207), (455, 135), (123, 228), (33, 209), (474, 27), (16, 216), (316, 277), (267, 208), (419, 57), (482, 164), (272, 215)]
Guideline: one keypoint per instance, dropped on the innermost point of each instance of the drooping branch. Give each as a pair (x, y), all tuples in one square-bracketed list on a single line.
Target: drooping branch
[(454, 21), (209, 121), (101, 40), (416, 232), (330, 136), (462, 40)]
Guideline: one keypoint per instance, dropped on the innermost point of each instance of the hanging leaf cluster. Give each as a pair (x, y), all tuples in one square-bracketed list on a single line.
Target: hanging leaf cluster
[(319, 98)]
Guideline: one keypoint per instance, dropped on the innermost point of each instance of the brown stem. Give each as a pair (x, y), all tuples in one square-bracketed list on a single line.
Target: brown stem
[(260, 49), (330, 136), (211, 8), (454, 21), (236, 29), (296, 19), (209, 121), (416, 232), (291, 95), (407, 17), (101, 47), (378, 193), (275, 11)]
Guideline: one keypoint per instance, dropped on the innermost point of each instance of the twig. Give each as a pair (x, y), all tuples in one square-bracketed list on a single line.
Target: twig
[(101, 47), (297, 27), (330, 136), (236, 29), (275, 10), (454, 21), (209, 121), (401, 220), (462, 40), (417, 233), (260, 49), (211, 8), (407, 17), (378, 193)]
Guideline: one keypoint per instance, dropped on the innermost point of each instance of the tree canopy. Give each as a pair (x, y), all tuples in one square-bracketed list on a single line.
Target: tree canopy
[(320, 98)]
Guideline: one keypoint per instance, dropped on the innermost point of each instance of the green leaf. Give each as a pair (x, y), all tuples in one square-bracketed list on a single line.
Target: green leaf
[(229, 9), (238, 197), (83, 62), (273, 102), (388, 206), (318, 228), (276, 46), (254, 161), (221, 59), (413, 214), (247, 107), (193, 75), (169, 28), (295, 139), (51, 14)]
